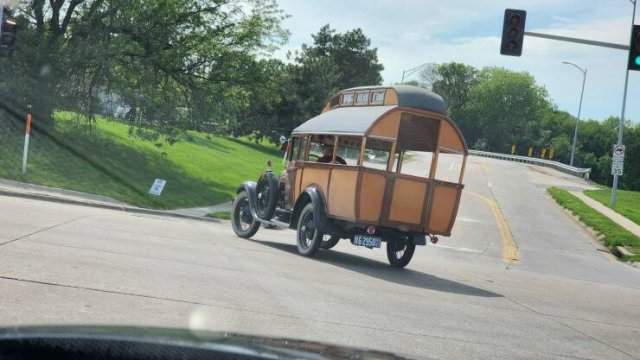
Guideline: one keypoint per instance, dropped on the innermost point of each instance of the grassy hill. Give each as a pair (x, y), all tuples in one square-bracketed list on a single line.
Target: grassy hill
[(200, 169)]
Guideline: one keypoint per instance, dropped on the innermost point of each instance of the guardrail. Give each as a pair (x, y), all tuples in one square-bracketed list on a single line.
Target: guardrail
[(571, 170)]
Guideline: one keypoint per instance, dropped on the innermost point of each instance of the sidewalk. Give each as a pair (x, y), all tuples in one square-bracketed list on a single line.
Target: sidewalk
[(611, 214), (9, 187), (203, 211), (39, 192)]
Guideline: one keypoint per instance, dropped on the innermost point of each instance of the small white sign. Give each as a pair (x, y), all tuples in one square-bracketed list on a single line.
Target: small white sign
[(617, 161), (157, 187)]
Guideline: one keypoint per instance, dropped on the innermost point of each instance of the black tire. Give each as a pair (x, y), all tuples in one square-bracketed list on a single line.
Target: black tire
[(267, 192), (329, 241), (308, 237), (400, 252), (243, 223)]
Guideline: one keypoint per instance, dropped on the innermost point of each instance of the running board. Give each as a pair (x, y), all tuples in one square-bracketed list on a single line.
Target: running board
[(272, 222)]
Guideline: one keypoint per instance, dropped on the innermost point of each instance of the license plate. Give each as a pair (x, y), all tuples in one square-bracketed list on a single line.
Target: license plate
[(369, 241)]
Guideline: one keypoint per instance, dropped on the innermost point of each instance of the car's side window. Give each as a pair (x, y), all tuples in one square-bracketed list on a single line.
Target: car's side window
[(348, 151), (297, 147), (316, 147), (376, 154)]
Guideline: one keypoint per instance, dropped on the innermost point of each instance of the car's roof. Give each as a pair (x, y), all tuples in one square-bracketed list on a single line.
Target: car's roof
[(412, 97), (355, 120)]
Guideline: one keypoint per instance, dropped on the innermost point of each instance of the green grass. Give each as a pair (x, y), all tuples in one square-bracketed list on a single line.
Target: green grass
[(200, 170), (628, 203), (224, 215), (614, 234)]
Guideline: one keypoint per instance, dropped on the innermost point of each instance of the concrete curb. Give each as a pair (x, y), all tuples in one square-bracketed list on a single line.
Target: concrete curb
[(130, 209), (622, 251)]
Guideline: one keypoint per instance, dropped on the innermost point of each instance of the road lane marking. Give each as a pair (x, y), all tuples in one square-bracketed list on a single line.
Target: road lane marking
[(466, 219), (463, 249), (509, 248)]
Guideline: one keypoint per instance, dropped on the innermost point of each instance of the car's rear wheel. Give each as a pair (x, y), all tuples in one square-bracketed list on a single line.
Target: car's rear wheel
[(400, 252), (309, 237), (329, 241), (243, 223)]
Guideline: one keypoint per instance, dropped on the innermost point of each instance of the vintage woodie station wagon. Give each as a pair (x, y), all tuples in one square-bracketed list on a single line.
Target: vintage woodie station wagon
[(379, 164)]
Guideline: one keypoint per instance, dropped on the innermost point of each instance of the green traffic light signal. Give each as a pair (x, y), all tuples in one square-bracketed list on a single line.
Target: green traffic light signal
[(638, 60)]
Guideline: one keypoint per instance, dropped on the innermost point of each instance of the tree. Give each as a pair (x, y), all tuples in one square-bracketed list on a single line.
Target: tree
[(158, 55), (453, 81), (335, 61), (351, 53), (504, 108)]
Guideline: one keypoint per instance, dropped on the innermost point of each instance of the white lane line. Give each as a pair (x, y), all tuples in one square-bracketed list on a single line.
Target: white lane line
[(463, 249), (466, 219)]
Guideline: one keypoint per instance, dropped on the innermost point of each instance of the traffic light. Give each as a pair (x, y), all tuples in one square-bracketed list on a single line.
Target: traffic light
[(634, 51), (7, 32), (513, 32)]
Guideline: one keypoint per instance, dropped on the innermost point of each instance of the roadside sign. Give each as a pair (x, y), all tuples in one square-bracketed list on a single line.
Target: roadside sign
[(617, 161), (157, 187)]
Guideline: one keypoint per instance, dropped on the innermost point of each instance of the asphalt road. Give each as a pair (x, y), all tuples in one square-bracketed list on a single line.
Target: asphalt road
[(518, 279)]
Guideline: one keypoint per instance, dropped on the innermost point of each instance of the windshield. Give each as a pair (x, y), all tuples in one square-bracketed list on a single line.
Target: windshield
[(473, 193)]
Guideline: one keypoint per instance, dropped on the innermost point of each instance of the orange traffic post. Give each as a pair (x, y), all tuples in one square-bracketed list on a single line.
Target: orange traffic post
[(27, 135), (530, 151), (544, 151), (551, 152), (513, 149)]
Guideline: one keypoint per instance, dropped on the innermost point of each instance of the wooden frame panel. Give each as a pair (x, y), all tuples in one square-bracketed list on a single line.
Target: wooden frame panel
[(391, 97), (449, 138), (341, 194), (387, 126), (445, 199), (371, 190), (298, 184), (407, 201), (318, 177)]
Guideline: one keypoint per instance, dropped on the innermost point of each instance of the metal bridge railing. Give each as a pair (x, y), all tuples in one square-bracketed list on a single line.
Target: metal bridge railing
[(579, 172)]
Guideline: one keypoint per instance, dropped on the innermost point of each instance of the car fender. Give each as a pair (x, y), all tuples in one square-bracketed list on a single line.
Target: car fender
[(250, 188), (314, 195)]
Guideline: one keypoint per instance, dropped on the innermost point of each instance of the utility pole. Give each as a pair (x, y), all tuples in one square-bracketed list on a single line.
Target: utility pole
[(575, 130), (614, 186), (1, 19)]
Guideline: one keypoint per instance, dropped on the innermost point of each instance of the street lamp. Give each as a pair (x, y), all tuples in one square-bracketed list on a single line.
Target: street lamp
[(575, 131), (412, 71)]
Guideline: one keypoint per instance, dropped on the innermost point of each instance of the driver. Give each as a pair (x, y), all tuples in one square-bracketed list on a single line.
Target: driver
[(327, 154)]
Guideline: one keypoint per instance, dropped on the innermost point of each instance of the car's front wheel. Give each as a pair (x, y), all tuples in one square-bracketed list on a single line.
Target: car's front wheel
[(309, 237), (243, 223), (400, 252)]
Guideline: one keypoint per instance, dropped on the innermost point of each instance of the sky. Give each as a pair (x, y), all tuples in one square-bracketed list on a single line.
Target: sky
[(408, 33)]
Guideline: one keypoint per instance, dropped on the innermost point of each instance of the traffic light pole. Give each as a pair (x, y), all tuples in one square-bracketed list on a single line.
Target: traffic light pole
[(577, 40), (614, 186)]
